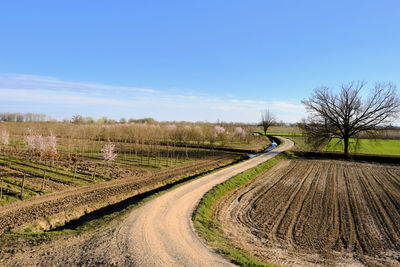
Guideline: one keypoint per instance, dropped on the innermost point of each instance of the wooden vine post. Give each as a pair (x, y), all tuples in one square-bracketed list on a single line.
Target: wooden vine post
[(94, 172), (23, 185), (44, 179)]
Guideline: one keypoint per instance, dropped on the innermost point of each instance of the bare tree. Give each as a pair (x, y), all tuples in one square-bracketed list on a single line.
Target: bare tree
[(347, 114), (267, 119)]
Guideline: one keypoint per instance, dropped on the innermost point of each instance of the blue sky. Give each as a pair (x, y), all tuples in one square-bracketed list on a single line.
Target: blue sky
[(190, 60)]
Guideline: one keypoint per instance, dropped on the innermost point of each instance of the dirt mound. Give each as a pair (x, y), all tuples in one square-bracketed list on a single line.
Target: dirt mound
[(306, 212)]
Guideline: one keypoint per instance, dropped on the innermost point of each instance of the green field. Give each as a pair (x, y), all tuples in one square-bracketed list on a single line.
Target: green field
[(367, 146)]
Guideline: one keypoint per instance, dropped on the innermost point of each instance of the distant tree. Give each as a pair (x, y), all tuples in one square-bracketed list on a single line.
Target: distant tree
[(102, 120), (122, 121), (77, 119), (146, 120), (111, 121), (4, 138), (240, 132), (89, 120), (347, 114), (267, 119)]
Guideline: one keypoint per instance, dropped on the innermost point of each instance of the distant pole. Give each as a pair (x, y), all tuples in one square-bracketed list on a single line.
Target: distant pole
[(94, 172), (1, 190), (44, 178), (23, 184)]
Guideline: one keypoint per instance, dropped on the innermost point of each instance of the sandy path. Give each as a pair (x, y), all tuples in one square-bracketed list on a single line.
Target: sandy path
[(161, 232)]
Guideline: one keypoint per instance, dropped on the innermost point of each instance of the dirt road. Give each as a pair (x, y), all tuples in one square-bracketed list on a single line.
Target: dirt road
[(160, 233)]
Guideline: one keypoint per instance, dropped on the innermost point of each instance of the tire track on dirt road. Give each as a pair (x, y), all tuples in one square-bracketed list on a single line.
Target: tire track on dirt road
[(161, 232)]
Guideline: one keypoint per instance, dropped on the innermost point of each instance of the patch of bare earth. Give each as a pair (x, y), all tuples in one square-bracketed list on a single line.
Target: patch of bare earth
[(318, 212)]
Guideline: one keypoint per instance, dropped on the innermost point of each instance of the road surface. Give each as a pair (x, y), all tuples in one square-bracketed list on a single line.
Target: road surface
[(161, 233)]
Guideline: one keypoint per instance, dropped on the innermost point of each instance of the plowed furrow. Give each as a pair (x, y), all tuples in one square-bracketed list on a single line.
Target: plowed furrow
[(383, 211), (307, 212)]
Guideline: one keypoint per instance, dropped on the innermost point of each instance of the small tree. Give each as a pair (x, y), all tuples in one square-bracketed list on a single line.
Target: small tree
[(4, 139), (52, 147), (240, 132), (346, 114), (267, 119), (108, 152)]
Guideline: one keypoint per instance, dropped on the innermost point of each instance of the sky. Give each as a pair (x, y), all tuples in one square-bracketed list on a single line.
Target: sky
[(190, 60)]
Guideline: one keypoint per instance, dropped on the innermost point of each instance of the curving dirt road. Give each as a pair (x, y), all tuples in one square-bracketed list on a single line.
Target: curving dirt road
[(161, 232)]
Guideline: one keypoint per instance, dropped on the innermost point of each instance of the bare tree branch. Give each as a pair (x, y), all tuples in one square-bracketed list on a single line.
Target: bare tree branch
[(267, 119), (345, 115)]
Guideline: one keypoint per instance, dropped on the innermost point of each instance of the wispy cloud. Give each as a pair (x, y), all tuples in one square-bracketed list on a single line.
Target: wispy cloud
[(55, 96)]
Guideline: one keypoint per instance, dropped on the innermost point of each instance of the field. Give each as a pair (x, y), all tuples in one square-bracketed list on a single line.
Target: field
[(389, 147), (76, 158), (387, 142), (308, 212), (44, 176), (367, 146)]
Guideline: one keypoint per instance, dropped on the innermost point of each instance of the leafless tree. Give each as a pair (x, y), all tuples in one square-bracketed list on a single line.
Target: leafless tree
[(347, 114), (267, 119)]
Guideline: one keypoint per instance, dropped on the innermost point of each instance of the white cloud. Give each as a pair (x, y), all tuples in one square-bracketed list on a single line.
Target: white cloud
[(36, 92), (40, 96)]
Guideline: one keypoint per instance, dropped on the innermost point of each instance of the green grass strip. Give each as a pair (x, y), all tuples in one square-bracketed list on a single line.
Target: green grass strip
[(367, 146), (210, 229)]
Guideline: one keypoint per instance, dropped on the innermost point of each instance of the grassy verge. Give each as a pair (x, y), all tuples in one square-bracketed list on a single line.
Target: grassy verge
[(210, 229)]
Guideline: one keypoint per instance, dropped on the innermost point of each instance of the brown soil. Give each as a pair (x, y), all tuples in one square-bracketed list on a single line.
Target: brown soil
[(318, 212), (19, 213)]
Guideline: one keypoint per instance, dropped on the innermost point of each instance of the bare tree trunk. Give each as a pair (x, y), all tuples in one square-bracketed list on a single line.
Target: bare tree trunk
[(346, 146)]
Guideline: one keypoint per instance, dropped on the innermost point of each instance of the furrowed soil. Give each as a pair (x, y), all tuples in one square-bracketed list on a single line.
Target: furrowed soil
[(71, 198), (317, 212)]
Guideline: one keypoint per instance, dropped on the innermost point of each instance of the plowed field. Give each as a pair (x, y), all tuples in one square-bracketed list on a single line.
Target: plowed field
[(306, 212)]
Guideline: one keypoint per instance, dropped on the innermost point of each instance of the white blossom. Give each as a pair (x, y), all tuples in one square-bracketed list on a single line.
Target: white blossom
[(108, 152), (218, 130)]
